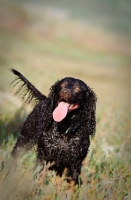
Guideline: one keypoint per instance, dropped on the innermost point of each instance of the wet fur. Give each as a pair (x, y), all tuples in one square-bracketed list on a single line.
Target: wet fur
[(65, 144)]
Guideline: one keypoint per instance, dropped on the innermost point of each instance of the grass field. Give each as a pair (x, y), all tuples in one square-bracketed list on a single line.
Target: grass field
[(46, 42)]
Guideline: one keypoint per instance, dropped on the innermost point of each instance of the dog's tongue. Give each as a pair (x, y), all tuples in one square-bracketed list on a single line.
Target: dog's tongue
[(60, 111)]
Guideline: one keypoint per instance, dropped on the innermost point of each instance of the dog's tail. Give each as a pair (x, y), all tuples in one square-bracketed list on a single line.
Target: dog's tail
[(28, 93)]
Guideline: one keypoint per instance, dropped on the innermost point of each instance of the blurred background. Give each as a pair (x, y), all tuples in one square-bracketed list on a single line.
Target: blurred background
[(48, 40), (52, 39)]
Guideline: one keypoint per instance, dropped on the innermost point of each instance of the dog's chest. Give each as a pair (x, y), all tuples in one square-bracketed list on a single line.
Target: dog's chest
[(55, 140), (59, 145)]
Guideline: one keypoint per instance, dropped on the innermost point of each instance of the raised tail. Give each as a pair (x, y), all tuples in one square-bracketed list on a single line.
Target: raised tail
[(28, 93)]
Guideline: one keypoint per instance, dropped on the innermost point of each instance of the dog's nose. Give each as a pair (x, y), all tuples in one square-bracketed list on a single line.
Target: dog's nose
[(65, 93)]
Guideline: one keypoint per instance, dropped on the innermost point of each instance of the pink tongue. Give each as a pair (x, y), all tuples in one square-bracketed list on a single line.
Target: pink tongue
[(60, 111)]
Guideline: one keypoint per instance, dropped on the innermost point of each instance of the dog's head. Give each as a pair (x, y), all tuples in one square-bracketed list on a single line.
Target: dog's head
[(69, 97), (70, 94)]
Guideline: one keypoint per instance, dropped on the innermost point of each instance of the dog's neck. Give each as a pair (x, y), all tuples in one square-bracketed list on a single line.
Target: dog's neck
[(69, 124)]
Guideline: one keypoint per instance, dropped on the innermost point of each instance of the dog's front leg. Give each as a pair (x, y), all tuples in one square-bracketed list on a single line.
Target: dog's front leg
[(74, 172)]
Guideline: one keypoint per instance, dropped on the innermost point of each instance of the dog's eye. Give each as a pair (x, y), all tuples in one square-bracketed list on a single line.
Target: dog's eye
[(77, 89), (63, 84)]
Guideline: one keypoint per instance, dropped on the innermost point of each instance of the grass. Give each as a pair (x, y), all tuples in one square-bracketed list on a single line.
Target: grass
[(106, 172), (46, 49)]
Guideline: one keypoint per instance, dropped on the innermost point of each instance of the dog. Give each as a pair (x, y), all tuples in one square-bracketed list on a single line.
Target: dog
[(60, 125)]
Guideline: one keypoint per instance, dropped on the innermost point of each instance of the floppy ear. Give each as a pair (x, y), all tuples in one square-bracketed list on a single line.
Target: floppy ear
[(50, 106), (90, 111)]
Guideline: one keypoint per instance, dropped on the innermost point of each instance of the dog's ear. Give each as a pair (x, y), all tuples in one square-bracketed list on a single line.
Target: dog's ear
[(28, 93), (90, 110), (50, 106), (52, 95)]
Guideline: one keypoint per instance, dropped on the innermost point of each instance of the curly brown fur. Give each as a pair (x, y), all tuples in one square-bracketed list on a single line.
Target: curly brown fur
[(63, 141)]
